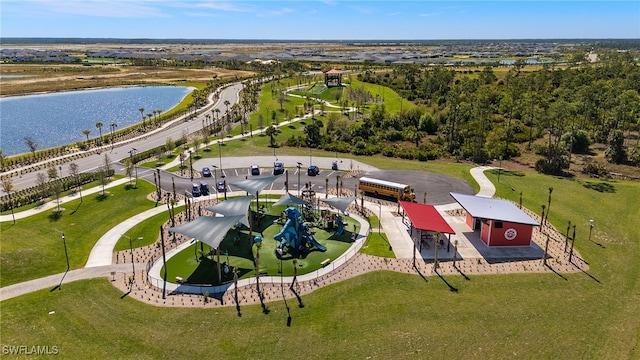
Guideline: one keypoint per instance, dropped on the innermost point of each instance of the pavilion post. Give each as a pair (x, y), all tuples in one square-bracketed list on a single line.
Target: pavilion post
[(219, 267), (164, 262)]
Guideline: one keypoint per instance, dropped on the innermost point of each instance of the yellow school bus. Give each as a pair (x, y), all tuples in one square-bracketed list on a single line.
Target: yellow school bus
[(391, 189)]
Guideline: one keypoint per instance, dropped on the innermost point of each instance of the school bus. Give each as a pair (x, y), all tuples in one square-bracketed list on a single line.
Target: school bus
[(391, 189)]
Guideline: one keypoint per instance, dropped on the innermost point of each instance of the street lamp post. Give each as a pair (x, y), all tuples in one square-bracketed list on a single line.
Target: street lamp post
[(131, 152), (220, 155), (191, 165), (379, 216), (133, 266), (590, 228), (299, 165), (215, 175)]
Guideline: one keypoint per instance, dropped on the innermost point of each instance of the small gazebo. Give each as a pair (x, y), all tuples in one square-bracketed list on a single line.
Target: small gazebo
[(332, 78)]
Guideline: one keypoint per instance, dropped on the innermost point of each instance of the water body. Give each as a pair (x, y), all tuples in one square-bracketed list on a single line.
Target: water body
[(13, 76), (58, 119)]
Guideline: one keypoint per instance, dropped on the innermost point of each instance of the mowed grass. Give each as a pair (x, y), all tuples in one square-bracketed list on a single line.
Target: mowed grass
[(383, 314), (32, 248)]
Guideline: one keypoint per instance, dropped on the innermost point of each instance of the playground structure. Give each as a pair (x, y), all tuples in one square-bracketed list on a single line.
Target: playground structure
[(295, 234)]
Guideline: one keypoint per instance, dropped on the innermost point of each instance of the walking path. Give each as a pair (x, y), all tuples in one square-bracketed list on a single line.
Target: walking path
[(351, 264)]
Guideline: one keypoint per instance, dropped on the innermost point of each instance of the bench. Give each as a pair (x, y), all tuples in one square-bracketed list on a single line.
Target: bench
[(325, 262), (179, 280)]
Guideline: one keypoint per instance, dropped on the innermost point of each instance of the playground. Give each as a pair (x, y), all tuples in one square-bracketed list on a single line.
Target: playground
[(197, 263)]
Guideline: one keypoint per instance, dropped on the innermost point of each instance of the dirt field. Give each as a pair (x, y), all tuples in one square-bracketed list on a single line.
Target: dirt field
[(50, 77)]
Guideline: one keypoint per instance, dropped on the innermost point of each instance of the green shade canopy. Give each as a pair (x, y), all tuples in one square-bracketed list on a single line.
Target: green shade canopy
[(253, 186), (340, 203), (233, 207), (211, 230), (288, 199)]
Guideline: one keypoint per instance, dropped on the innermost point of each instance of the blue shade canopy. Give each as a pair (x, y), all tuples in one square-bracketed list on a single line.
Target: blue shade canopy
[(340, 203), (288, 199), (233, 207), (253, 186), (211, 230), (494, 209)]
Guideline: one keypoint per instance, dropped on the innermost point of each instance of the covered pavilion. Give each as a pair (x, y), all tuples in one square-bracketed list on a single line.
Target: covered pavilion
[(428, 220), (332, 77)]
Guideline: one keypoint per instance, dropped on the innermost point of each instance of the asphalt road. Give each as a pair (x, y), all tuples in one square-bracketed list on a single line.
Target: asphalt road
[(436, 186)]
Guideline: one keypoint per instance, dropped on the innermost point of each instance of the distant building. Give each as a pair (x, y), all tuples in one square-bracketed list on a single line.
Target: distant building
[(332, 78)]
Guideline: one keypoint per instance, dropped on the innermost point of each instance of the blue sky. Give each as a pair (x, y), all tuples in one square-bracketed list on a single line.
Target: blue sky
[(320, 19)]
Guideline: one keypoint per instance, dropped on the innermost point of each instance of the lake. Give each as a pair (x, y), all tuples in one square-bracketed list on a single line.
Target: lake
[(57, 119)]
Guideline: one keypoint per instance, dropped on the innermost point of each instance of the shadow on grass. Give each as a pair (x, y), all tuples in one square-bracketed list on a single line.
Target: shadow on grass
[(461, 273), (76, 209), (507, 173), (420, 273), (555, 272), (55, 215), (206, 273), (586, 273), (602, 187), (451, 287)]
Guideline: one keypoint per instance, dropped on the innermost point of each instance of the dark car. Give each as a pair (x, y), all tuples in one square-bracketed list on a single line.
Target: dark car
[(195, 190), (206, 172), (204, 188), (255, 169), (220, 186), (334, 165), (278, 168), (313, 170)]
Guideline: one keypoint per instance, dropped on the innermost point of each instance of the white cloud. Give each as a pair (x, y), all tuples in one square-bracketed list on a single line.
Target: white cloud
[(116, 9), (429, 14), (275, 13)]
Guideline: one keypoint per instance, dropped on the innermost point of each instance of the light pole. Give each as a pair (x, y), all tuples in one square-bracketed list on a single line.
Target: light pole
[(191, 165), (299, 165), (133, 266), (64, 242), (500, 169), (131, 152), (590, 228), (215, 175), (379, 216), (220, 156)]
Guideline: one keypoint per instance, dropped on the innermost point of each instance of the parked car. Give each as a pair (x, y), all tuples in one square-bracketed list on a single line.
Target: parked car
[(313, 170), (204, 188), (255, 169), (206, 172), (195, 190), (220, 185), (278, 168)]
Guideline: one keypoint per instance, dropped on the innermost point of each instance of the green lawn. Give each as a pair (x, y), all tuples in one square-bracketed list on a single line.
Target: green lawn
[(148, 230), (388, 315), (32, 248), (191, 265)]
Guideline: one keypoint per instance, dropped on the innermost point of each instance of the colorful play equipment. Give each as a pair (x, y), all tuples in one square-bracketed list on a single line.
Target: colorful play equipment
[(295, 234), (339, 225)]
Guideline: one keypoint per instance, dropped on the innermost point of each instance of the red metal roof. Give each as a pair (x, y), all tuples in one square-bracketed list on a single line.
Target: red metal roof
[(333, 71), (426, 217)]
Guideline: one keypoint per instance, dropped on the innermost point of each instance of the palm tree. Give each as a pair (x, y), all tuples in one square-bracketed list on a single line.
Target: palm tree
[(99, 125), (32, 144), (86, 133), (113, 126), (227, 103), (142, 114)]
